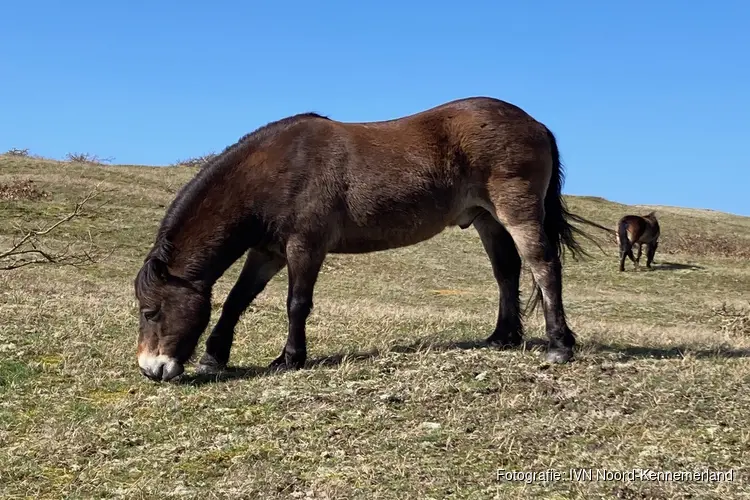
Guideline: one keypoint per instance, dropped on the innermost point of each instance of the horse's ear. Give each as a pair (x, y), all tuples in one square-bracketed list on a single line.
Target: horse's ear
[(153, 273), (155, 263), (156, 269)]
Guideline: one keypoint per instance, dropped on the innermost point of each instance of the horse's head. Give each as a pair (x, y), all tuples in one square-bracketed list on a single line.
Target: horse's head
[(173, 314)]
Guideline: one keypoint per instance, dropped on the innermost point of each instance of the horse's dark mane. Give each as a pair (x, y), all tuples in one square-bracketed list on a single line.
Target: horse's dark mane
[(259, 135), (198, 185)]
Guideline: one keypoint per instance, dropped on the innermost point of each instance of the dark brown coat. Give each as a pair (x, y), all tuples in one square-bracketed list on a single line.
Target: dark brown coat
[(638, 230), (305, 186)]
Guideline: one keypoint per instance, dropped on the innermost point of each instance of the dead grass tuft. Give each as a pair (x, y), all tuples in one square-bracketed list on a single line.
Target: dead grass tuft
[(22, 190), (706, 244), (732, 320)]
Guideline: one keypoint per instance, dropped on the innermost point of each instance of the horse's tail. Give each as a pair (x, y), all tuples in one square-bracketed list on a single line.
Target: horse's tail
[(622, 235), (583, 220), (561, 234)]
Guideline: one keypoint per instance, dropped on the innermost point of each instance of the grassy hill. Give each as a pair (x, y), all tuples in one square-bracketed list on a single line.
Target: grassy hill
[(399, 401)]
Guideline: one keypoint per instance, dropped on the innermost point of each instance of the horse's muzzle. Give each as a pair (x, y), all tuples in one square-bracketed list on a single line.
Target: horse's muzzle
[(159, 368)]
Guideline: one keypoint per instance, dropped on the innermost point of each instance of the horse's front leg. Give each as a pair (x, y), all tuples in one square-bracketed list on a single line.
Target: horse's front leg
[(506, 266), (304, 258), (257, 271)]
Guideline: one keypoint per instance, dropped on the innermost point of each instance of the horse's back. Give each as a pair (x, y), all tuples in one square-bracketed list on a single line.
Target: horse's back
[(639, 229), (386, 184)]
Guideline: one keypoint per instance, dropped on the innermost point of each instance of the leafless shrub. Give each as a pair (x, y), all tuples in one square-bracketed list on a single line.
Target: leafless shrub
[(198, 161), (22, 190), (18, 152), (87, 158), (33, 247)]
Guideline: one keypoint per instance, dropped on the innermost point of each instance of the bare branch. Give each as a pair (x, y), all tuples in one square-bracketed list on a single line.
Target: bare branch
[(29, 251)]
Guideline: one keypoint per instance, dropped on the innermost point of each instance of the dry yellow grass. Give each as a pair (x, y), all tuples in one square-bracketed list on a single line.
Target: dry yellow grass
[(399, 401)]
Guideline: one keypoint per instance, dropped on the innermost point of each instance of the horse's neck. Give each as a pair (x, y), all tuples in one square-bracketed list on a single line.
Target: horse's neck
[(203, 253), (219, 221)]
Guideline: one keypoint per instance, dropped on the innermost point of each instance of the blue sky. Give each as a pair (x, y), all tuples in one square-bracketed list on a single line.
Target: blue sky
[(650, 101)]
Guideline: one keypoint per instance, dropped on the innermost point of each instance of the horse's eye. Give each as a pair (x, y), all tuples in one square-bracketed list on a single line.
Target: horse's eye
[(150, 314)]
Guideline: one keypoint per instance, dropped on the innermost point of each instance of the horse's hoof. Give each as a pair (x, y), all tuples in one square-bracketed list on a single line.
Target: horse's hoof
[(286, 363), (559, 356), (504, 342), (277, 364), (209, 365)]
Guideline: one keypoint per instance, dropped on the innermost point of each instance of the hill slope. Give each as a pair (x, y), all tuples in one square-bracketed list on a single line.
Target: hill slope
[(402, 402)]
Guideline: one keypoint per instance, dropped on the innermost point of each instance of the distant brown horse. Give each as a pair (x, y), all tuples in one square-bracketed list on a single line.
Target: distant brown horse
[(636, 230), (305, 186)]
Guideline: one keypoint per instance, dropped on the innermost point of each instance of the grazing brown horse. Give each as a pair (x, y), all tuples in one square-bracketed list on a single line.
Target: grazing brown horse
[(636, 230), (305, 186)]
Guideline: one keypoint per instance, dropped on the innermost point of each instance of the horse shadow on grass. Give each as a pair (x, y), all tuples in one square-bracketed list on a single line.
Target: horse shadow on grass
[(622, 352), (334, 360), (675, 266), (632, 352)]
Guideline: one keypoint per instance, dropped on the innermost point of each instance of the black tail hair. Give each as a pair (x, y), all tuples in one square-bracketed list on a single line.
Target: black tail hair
[(561, 234), (622, 233)]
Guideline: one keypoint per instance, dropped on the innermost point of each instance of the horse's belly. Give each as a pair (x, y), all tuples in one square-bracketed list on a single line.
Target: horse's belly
[(386, 234), (370, 224), (377, 240), (396, 232)]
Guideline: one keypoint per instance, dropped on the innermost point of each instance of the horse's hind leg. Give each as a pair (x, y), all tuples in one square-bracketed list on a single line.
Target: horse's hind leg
[(304, 259), (257, 271), (523, 221), (506, 266), (637, 260), (650, 252), (626, 250)]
